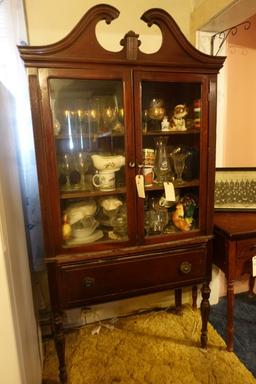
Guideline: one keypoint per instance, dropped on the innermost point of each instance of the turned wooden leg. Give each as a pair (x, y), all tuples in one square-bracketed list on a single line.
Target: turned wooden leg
[(251, 285), (230, 315), (194, 296), (178, 300), (205, 311), (59, 340)]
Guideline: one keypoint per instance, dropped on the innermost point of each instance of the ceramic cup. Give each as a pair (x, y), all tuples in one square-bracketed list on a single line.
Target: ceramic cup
[(148, 174), (105, 181), (148, 157)]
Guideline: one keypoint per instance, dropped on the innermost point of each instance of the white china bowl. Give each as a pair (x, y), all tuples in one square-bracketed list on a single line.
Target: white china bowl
[(87, 230), (108, 162), (79, 211), (110, 203)]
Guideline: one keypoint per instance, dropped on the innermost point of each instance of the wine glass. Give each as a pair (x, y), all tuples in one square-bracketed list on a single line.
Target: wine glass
[(145, 120), (179, 165), (147, 221), (109, 115), (156, 113), (82, 166), (65, 169), (94, 116)]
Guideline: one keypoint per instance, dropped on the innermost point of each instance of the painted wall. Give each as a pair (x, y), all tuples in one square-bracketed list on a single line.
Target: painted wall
[(46, 24), (20, 361), (205, 10), (240, 133), (232, 140), (19, 348)]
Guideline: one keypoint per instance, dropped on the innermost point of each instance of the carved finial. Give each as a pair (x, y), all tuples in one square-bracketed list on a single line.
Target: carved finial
[(131, 44)]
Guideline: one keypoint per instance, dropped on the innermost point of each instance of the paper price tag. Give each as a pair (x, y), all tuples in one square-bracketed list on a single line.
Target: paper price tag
[(254, 266), (140, 186), (169, 191)]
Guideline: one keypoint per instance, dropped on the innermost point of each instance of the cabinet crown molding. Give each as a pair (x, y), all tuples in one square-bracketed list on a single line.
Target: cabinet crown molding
[(82, 39)]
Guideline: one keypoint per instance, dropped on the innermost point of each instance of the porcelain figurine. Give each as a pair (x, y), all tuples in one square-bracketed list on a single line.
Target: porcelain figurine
[(178, 122), (165, 125)]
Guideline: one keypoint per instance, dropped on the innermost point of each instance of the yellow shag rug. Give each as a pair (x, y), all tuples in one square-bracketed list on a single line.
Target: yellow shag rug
[(151, 348)]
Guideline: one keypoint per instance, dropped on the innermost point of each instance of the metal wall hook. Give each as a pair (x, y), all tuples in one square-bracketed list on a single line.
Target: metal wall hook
[(223, 35)]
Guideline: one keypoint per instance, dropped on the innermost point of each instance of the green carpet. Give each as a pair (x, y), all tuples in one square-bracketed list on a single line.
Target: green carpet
[(151, 348)]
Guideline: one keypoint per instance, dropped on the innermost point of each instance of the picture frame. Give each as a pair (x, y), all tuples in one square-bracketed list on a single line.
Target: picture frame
[(235, 189)]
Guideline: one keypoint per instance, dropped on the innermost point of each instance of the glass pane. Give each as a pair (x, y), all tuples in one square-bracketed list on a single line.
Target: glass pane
[(88, 123), (171, 120)]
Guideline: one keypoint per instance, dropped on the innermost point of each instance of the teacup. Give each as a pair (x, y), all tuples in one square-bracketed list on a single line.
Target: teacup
[(104, 180), (148, 173), (148, 157)]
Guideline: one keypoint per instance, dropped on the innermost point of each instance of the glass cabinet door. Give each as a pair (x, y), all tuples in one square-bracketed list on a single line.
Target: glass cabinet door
[(170, 143), (89, 133)]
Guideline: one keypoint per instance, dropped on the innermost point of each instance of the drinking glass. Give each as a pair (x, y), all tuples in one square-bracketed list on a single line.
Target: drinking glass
[(65, 169), (179, 164), (160, 220), (147, 221), (81, 162)]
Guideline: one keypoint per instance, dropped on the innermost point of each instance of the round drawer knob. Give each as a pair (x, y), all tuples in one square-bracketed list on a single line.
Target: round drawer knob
[(185, 267), (88, 282)]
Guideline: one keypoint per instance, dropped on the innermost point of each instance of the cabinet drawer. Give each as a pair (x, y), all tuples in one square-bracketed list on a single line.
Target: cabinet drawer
[(105, 281), (246, 249)]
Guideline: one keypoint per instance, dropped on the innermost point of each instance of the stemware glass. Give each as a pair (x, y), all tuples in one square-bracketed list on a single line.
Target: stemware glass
[(82, 166), (94, 116), (156, 112), (145, 119), (109, 116), (179, 165), (65, 169), (147, 221), (118, 126)]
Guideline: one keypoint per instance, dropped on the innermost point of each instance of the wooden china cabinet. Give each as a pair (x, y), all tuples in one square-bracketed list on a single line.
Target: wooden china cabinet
[(125, 146)]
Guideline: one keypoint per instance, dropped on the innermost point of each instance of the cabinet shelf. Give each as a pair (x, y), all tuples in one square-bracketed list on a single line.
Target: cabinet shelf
[(186, 184), (93, 136), (168, 133), (122, 190), (82, 194)]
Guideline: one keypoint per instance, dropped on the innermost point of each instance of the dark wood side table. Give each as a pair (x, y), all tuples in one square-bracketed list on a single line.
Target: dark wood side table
[(234, 247)]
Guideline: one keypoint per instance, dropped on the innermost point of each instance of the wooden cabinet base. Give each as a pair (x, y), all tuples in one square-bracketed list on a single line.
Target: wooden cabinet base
[(59, 335)]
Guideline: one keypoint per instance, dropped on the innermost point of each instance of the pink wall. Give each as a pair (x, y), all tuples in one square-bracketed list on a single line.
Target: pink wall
[(240, 130)]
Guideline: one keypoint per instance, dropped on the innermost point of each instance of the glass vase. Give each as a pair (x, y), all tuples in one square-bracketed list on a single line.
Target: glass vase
[(162, 166), (179, 165)]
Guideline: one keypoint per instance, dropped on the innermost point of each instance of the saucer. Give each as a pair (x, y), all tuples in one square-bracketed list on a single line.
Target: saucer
[(98, 234)]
